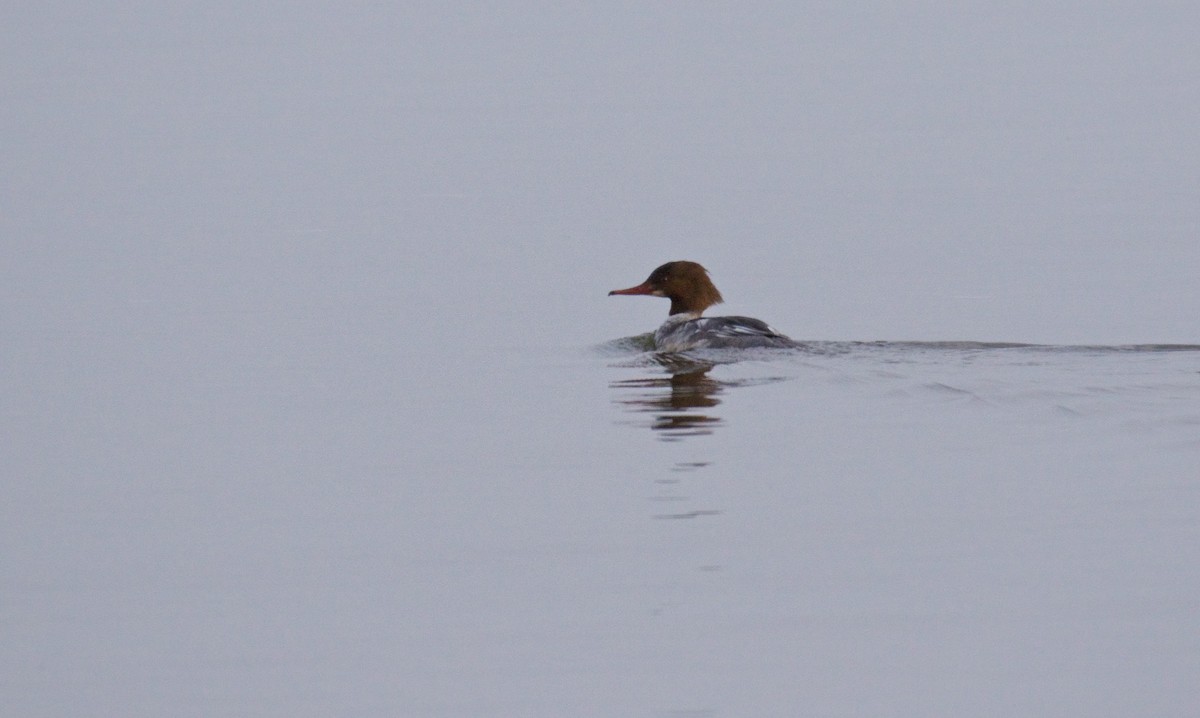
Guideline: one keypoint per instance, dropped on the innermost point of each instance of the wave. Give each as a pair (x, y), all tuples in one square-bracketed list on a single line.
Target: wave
[(644, 344)]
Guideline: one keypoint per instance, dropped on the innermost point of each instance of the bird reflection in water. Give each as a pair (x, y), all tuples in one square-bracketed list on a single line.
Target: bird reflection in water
[(678, 400)]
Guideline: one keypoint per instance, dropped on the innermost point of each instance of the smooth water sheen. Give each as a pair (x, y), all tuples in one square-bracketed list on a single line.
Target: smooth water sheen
[(913, 528), (856, 528), (313, 401)]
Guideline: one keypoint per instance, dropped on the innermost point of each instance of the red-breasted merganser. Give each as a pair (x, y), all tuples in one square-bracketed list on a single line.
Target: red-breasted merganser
[(690, 290)]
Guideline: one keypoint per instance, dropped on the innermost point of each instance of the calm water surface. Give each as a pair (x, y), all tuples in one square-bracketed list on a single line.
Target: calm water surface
[(852, 528), (308, 410)]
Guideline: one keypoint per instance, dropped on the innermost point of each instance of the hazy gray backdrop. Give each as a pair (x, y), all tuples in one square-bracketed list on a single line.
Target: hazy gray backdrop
[(303, 414), (902, 170)]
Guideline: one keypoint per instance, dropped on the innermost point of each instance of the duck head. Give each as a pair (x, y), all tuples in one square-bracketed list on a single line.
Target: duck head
[(685, 283)]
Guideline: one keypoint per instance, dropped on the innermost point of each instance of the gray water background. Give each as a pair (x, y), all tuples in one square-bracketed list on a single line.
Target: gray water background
[(313, 402)]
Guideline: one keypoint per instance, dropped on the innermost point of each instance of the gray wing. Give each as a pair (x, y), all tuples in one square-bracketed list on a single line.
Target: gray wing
[(742, 332)]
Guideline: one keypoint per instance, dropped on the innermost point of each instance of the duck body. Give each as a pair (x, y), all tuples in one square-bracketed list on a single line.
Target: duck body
[(691, 291), (683, 332)]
